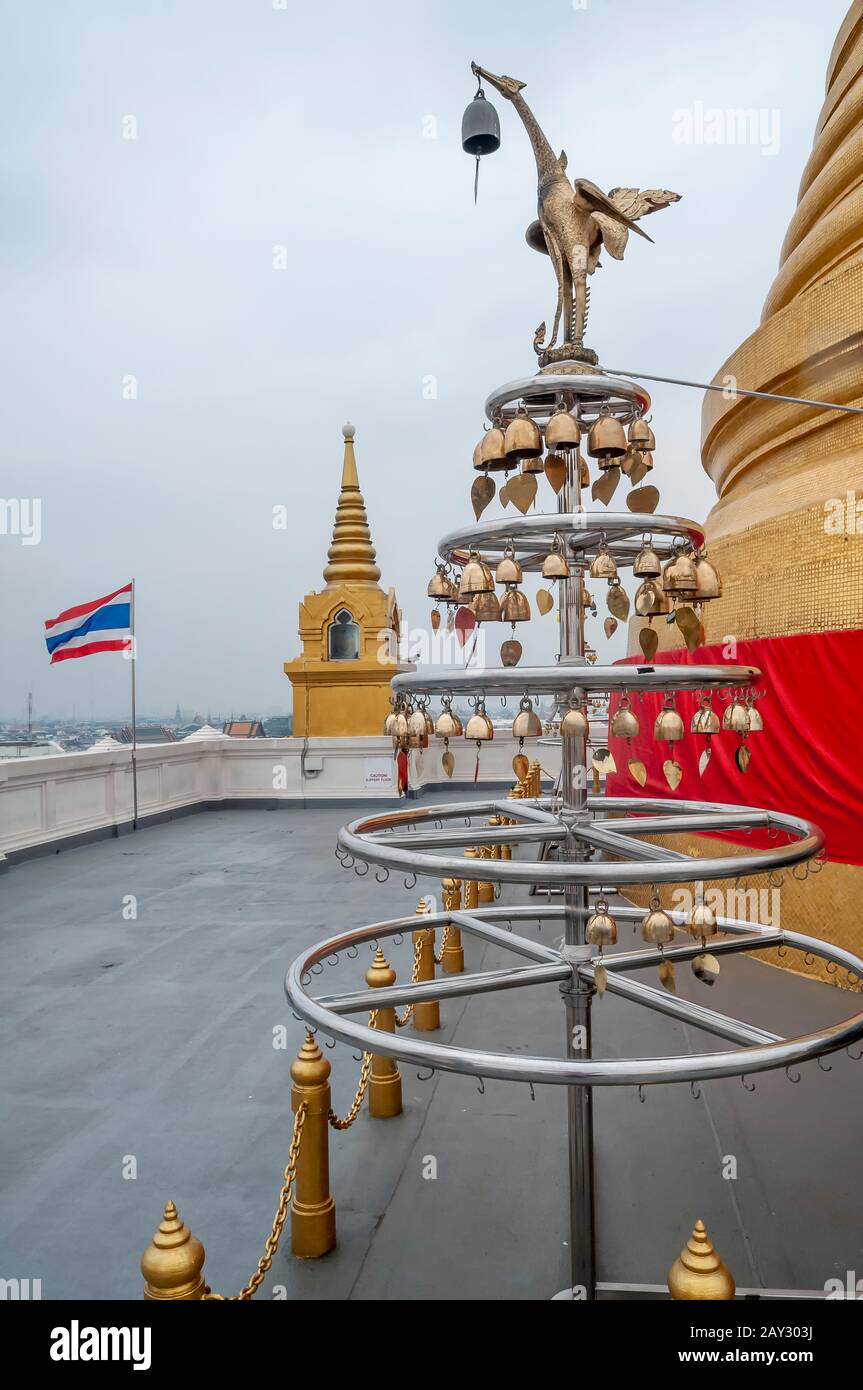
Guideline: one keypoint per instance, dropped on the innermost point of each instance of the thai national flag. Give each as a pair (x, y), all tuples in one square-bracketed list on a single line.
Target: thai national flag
[(105, 625)]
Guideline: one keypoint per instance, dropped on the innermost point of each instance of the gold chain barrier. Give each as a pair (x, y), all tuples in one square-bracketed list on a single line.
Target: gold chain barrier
[(362, 1087)]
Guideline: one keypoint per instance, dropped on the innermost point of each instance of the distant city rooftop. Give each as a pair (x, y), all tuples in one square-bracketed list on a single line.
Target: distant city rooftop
[(152, 1040)]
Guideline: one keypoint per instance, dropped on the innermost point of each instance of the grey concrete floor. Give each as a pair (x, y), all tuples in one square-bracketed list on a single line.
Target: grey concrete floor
[(151, 1040)]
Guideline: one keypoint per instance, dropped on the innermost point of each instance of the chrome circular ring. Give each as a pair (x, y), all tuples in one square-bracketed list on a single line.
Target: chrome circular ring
[(587, 391), (533, 536), (567, 677)]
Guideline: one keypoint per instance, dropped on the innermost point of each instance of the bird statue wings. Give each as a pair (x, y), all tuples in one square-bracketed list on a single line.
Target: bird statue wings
[(633, 203)]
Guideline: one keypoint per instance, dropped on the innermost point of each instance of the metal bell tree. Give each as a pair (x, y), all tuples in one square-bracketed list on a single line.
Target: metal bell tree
[(588, 848)]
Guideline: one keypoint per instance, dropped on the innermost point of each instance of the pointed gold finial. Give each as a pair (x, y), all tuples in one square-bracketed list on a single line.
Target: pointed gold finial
[(173, 1262), (698, 1271), (351, 554)]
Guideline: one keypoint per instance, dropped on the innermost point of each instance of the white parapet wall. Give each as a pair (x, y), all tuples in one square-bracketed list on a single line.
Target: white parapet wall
[(44, 801)]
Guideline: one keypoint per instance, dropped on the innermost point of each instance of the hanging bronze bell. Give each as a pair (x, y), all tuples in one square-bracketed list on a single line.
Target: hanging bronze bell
[(418, 724), (493, 451), (476, 577), (389, 724), (583, 471), (448, 724), (562, 431), (440, 585), (657, 927), (736, 717), (574, 723), (647, 563), (701, 920), (554, 565), (639, 433), (678, 577), (477, 456), (509, 571), (669, 725), (601, 929), (708, 585), (514, 606), (480, 127), (625, 722), (705, 720), (479, 726), (486, 608), (400, 724), (606, 440), (527, 723), (522, 439), (756, 723), (603, 566), (533, 465)]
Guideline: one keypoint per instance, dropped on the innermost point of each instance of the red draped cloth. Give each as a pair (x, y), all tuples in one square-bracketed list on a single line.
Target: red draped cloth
[(808, 761)]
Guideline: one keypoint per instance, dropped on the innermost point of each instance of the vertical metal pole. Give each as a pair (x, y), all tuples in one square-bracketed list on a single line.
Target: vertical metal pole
[(133, 659), (577, 996)]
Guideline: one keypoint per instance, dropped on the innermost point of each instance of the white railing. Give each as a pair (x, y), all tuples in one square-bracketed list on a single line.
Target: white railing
[(51, 799)]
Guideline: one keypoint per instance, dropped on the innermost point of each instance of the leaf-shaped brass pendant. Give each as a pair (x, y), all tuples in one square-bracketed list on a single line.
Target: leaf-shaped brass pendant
[(600, 979), (603, 761), (666, 976), (544, 601), (435, 620), (448, 763), (648, 641), (704, 760), (503, 495), (610, 627), (637, 469), (605, 486), (510, 652), (618, 602), (742, 756), (555, 471), (522, 491), (673, 773), (643, 499), (481, 493), (637, 770), (706, 968), (520, 765), (690, 625)]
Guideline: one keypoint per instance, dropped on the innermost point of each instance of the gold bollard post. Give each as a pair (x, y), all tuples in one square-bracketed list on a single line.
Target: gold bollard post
[(486, 888), (494, 823), (313, 1210), (385, 1082), (173, 1262), (698, 1271), (452, 951), (426, 1015), (471, 886)]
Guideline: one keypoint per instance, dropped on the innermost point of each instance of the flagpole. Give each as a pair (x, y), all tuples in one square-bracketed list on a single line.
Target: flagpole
[(134, 719)]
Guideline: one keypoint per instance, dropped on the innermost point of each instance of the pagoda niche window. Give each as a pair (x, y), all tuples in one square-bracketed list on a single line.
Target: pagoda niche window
[(343, 642)]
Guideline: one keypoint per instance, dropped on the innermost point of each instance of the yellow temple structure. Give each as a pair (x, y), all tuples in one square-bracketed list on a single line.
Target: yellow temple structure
[(349, 630)]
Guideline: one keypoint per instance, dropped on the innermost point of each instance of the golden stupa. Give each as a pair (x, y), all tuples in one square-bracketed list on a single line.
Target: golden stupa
[(784, 472), (349, 630)]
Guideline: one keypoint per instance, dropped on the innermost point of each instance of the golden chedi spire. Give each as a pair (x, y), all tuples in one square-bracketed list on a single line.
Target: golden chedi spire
[(779, 469), (351, 554)]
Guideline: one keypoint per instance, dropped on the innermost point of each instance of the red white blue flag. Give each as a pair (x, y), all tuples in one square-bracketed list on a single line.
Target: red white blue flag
[(105, 625)]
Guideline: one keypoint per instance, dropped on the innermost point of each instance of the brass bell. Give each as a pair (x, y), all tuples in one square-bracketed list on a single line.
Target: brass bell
[(705, 720), (486, 608), (533, 465), (706, 968), (479, 726), (702, 920), (562, 431), (639, 433), (527, 723), (756, 723), (476, 577), (574, 723), (554, 565), (647, 563), (657, 927), (678, 577), (606, 440), (493, 451), (648, 599), (736, 717), (603, 566), (514, 607), (440, 585), (669, 725), (401, 728), (601, 929), (586, 596), (509, 571), (708, 585), (417, 725), (448, 724), (477, 456), (583, 471), (625, 722), (522, 439), (389, 724)]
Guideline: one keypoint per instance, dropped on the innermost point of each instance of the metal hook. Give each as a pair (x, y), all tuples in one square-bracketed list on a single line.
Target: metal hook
[(296, 1016), (828, 969), (481, 1087), (793, 1079), (352, 953), (695, 1090), (357, 1056), (821, 1065), (330, 1045), (312, 1028), (413, 882), (398, 939), (749, 1088), (333, 958), (305, 981), (378, 878), (361, 873), (532, 1091), (345, 864), (420, 1077), (859, 1056), (808, 958), (641, 1096), (317, 968)]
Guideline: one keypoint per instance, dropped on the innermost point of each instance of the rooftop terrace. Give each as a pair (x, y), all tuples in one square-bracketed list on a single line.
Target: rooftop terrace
[(153, 1038)]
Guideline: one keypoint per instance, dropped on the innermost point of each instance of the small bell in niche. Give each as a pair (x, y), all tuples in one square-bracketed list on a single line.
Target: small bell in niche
[(480, 130)]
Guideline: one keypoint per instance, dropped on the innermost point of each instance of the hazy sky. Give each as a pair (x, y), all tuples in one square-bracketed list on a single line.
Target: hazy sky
[(262, 125)]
